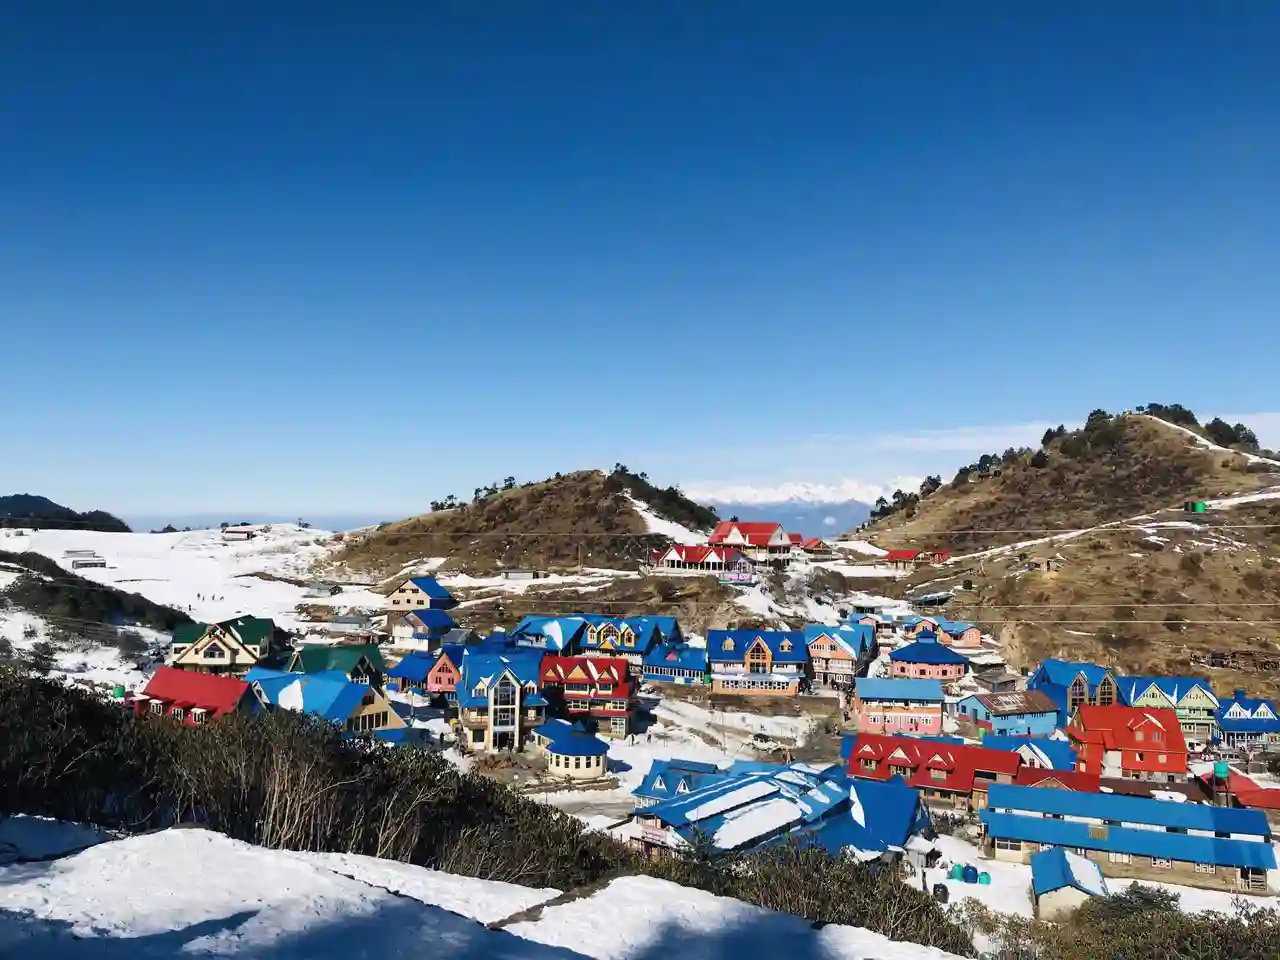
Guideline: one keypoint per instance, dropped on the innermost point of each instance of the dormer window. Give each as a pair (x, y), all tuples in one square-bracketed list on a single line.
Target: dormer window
[(157, 708), (682, 786), (214, 652), (199, 715), (178, 713), (728, 644), (785, 646)]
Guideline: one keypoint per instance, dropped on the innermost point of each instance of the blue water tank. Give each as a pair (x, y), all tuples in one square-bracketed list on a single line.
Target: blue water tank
[(970, 874)]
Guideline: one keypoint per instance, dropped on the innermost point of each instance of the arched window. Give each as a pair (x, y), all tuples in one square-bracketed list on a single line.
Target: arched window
[(728, 644)]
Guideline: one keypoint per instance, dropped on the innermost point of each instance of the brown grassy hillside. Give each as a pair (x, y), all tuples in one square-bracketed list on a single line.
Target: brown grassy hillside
[(580, 518), (1110, 470), (1200, 598)]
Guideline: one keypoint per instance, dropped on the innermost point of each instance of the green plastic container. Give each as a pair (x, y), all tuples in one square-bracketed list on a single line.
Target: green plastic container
[(117, 692), (1221, 770), (984, 878), (956, 872)]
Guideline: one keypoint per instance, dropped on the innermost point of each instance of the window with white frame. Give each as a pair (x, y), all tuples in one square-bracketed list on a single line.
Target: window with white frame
[(199, 715), (1161, 863), (178, 713), (1003, 844), (157, 708), (1206, 868), (1116, 856)]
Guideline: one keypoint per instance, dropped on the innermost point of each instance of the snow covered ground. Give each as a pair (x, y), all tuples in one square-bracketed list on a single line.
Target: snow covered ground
[(184, 892), (198, 573), (664, 527), (1010, 887)]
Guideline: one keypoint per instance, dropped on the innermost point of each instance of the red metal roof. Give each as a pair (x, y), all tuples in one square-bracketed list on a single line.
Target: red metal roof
[(610, 671), (698, 554), (757, 534), (218, 695), (813, 543), (901, 555), (958, 764), (1133, 732)]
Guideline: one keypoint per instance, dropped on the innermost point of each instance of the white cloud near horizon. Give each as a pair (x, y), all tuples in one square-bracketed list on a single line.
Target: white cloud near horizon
[(834, 468)]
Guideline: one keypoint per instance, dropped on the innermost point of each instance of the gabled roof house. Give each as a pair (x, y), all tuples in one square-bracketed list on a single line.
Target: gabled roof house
[(1116, 741), (928, 659), (952, 775), (231, 647), (360, 663), (193, 698), (1192, 698), (676, 663), (668, 779), (1248, 722), (1071, 684), (757, 661), (356, 708)]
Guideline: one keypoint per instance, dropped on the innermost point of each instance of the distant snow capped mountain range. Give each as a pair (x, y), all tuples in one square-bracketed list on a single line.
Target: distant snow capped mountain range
[(814, 509)]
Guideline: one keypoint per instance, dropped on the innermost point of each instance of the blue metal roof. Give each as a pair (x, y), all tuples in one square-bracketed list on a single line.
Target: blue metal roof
[(1252, 723), (328, 694), (1062, 672), (559, 633), (1117, 807), (741, 641), (927, 651), (855, 638), (953, 627), (1143, 843), (1052, 754), (1053, 869), (683, 656), (521, 664), (1175, 688), (921, 691), (670, 778), (414, 667), (431, 587), (578, 745), (825, 808), (433, 619)]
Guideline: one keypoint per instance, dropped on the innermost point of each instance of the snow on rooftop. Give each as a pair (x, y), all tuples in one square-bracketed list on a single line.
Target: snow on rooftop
[(755, 822), (1086, 874), (752, 790)]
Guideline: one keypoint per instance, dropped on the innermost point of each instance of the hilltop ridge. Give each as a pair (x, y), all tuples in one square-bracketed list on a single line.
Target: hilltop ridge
[(1112, 468), (582, 519), (33, 512)]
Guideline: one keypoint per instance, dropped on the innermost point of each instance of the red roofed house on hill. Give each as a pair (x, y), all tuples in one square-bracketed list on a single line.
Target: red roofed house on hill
[(760, 542), (193, 698), (711, 559), (946, 774), (1142, 743)]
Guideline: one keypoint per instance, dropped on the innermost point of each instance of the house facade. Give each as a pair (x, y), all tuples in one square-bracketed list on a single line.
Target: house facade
[(1132, 742), (897, 706), (926, 659), (705, 559), (1072, 684), (230, 648), (628, 638), (948, 775), (1062, 881), (193, 698), (761, 543), (598, 689), (747, 662), (676, 663), (419, 593), (965, 636), (499, 701), (421, 629), (837, 654), (1027, 713), (1183, 843), (1248, 723), (1191, 698)]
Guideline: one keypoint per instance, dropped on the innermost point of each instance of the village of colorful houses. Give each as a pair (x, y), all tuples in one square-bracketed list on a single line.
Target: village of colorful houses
[(1081, 773)]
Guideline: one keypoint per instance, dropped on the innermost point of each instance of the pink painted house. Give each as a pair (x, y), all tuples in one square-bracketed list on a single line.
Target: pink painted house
[(897, 706), (928, 660), (444, 676)]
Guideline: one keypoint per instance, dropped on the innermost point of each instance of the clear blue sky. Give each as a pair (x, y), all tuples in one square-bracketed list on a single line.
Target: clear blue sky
[(317, 256)]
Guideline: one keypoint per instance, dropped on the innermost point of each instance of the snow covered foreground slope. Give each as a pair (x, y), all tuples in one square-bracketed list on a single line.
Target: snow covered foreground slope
[(192, 892)]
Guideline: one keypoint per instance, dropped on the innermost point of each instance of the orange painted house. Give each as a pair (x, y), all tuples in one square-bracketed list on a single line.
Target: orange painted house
[(1141, 743)]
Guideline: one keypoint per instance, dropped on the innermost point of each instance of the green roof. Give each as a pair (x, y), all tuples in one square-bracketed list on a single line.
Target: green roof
[(316, 659), (188, 633), (251, 631)]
